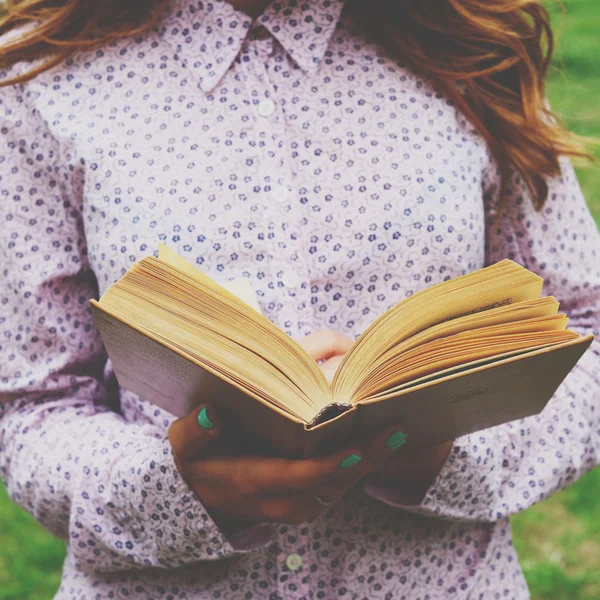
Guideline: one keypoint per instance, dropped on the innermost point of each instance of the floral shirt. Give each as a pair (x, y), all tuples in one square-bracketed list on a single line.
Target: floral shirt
[(291, 150)]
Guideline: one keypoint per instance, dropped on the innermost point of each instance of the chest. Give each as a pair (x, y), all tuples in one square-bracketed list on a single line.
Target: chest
[(356, 181)]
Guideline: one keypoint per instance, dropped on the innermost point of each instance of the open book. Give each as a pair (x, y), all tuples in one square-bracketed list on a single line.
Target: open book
[(463, 355)]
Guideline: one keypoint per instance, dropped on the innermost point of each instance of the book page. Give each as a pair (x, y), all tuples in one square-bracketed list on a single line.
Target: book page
[(520, 312), (501, 284), (241, 288), (199, 317), (464, 348)]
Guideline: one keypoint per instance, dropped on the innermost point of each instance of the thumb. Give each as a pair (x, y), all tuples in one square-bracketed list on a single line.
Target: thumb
[(325, 344), (329, 367), (189, 435)]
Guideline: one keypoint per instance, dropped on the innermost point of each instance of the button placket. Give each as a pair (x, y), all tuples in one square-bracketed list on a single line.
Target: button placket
[(266, 107), (293, 562), (290, 279), (281, 194), (287, 263)]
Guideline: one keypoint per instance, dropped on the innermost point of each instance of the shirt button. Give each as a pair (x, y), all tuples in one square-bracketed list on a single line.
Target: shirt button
[(290, 279), (293, 562), (266, 108), (281, 193)]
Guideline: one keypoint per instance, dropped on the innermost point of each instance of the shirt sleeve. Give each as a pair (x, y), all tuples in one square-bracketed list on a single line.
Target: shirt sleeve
[(109, 487), (503, 470)]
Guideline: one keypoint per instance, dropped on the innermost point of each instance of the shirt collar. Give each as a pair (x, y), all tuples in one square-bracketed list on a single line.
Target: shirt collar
[(208, 36)]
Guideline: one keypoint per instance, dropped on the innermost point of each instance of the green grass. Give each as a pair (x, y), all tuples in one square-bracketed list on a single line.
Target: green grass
[(574, 84), (559, 543), (559, 540), (30, 558)]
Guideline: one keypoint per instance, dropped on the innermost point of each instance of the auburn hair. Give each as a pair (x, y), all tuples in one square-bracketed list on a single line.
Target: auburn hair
[(489, 57)]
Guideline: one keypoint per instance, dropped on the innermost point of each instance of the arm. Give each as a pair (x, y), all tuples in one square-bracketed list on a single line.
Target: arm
[(110, 487), (498, 472)]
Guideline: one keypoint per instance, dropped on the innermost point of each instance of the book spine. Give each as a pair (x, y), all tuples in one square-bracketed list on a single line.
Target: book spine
[(332, 434)]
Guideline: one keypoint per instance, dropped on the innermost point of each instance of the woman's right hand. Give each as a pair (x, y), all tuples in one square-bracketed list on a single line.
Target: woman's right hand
[(246, 490)]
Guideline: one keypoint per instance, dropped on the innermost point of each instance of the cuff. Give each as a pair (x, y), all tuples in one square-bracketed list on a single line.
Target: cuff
[(170, 517), (463, 489)]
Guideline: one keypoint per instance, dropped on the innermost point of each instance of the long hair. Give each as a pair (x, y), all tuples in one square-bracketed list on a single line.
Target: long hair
[(490, 58)]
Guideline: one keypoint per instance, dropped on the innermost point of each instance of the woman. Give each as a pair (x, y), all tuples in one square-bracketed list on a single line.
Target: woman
[(341, 158)]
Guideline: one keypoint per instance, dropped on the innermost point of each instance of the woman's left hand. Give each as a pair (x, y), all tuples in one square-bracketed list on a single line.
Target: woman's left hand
[(416, 466)]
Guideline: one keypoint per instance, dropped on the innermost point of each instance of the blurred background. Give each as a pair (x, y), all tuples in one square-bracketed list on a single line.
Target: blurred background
[(558, 540)]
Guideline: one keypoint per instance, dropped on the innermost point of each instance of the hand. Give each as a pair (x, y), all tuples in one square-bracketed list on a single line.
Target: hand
[(244, 490), (329, 346), (419, 465), (415, 467), (411, 472)]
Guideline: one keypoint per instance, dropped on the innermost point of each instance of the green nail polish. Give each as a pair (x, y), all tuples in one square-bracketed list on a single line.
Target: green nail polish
[(203, 419), (395, 440), (350, 461)]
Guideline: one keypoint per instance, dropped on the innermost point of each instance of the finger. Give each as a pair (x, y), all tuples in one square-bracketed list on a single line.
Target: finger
[(325, 344), (308, 474), (416, 464), (336, 472), (189, 435), (330, 366), (330, 493), (373, 452), (390, 442), (259, 475), (292, 510), (289, 509), (307, 505)]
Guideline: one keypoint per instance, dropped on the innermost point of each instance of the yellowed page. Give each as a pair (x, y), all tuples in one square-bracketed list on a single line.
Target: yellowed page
[(521, 311), (503, 283), (225, 356), (457, 335), (199, 316), (461, 369), (241, 288), (435, 359)]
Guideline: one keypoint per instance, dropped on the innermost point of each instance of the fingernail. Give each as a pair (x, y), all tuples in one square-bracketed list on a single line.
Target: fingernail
[(350, 461), (395, 440), (203, 419)]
